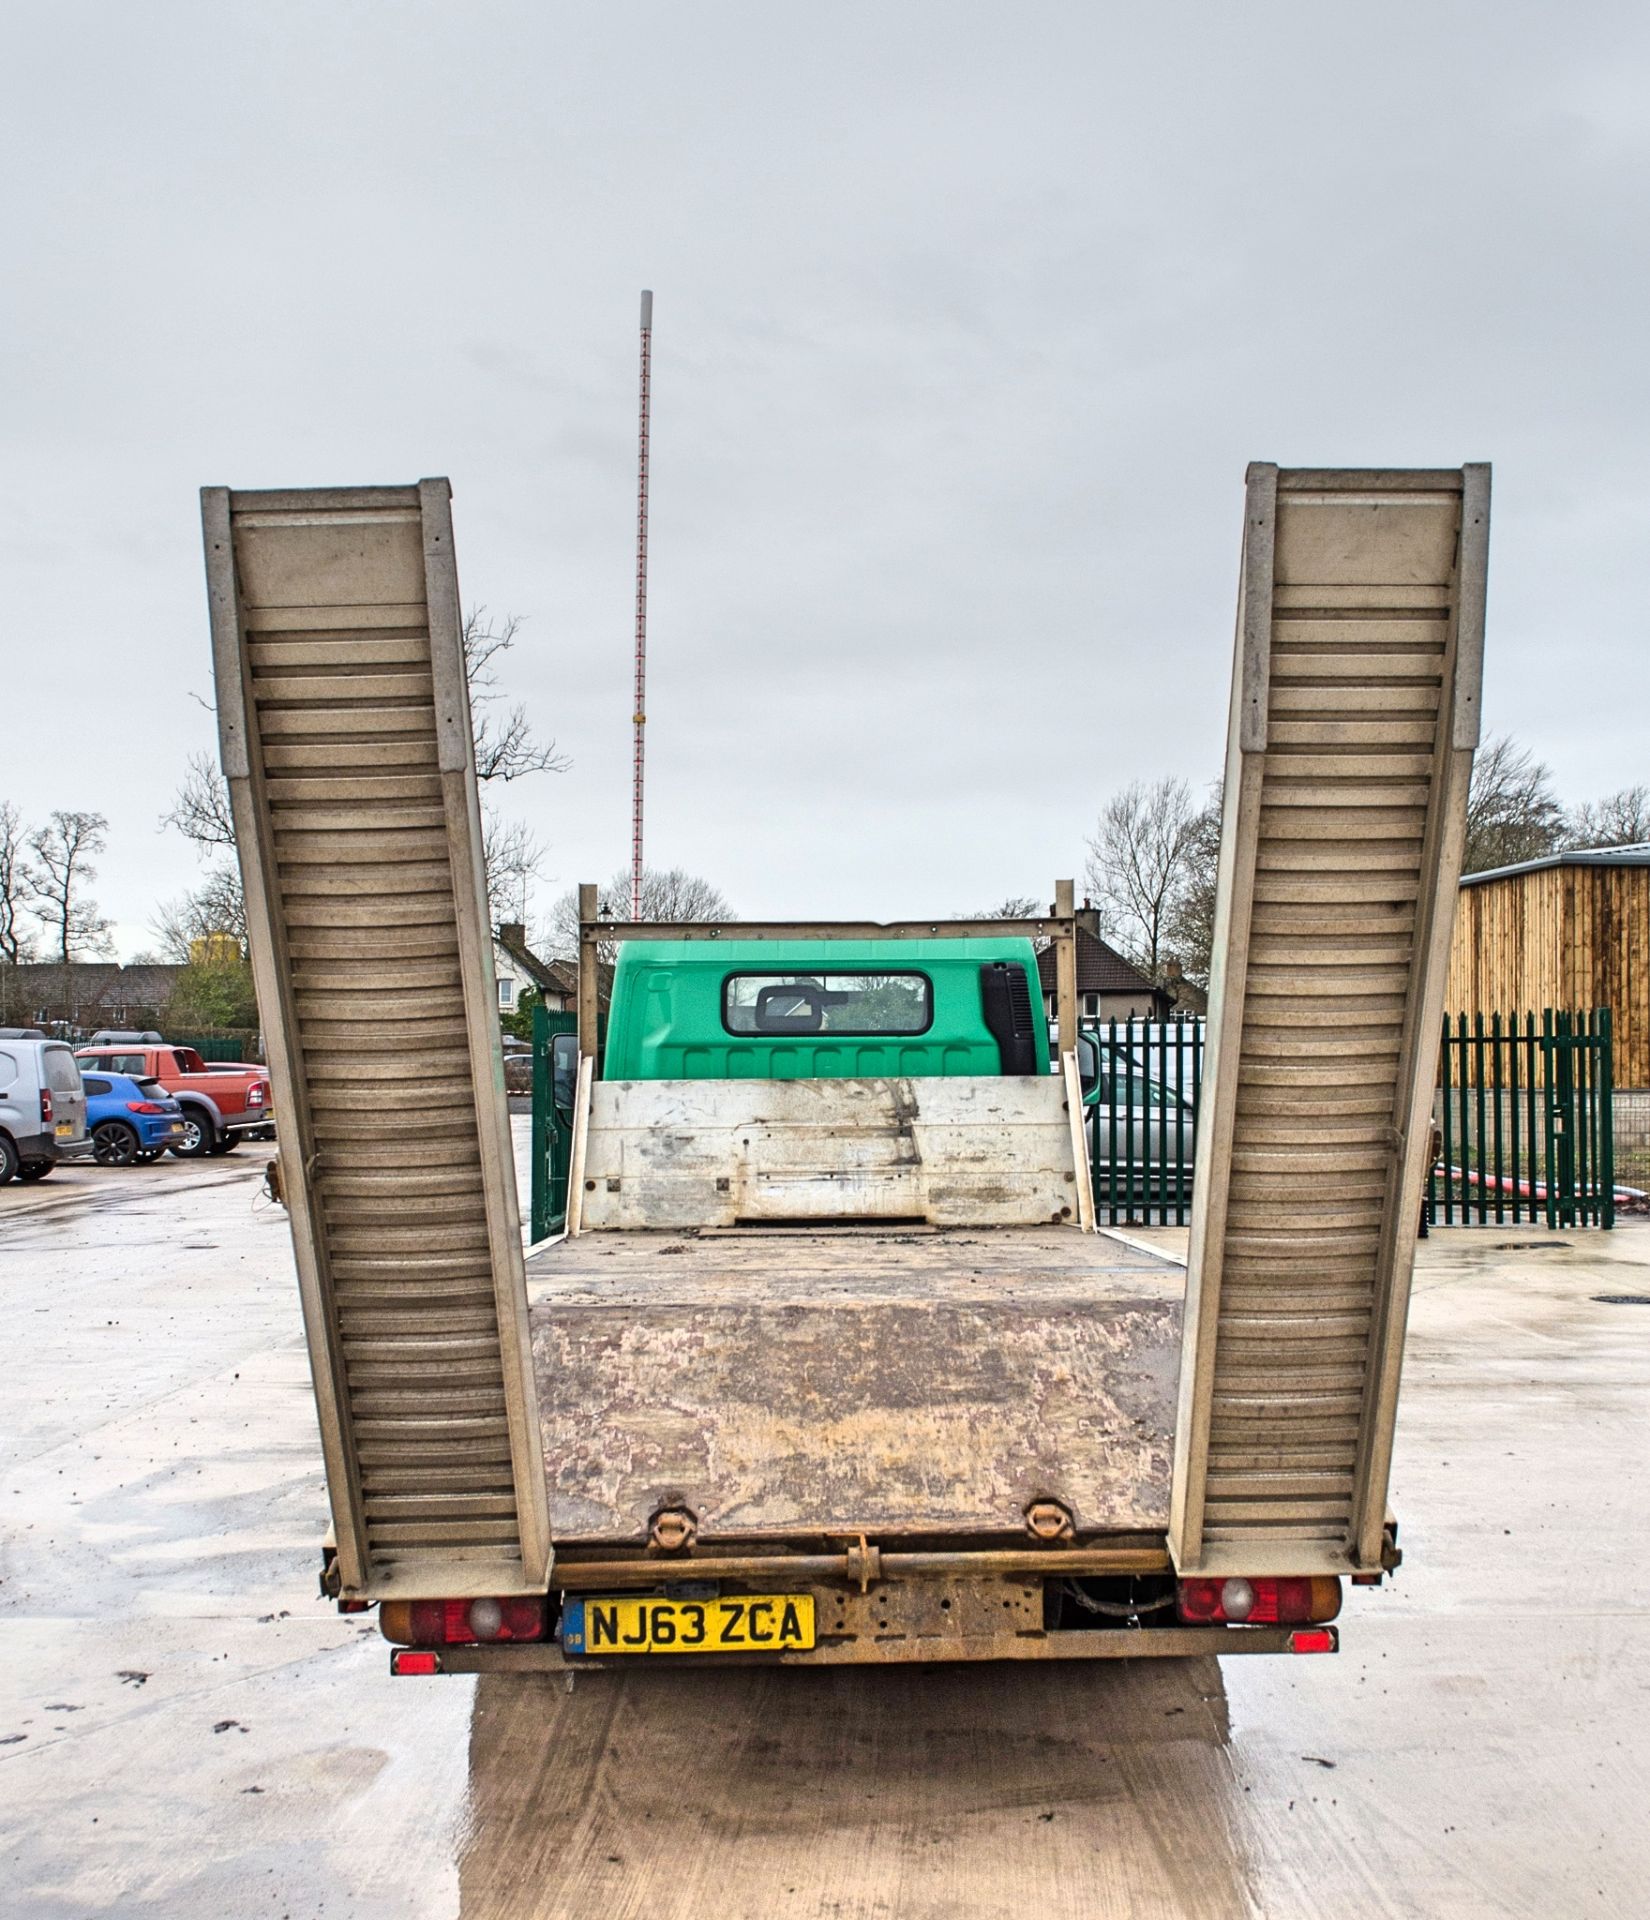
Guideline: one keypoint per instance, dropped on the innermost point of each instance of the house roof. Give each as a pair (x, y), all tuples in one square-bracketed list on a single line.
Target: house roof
[(1100, 969), (1633, 856), (554, 976), (85, 977)]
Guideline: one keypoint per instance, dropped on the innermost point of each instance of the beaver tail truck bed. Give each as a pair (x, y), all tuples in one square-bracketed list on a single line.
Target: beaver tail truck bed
[(830, 1364)]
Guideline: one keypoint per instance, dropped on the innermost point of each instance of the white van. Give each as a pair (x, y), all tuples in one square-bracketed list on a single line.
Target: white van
[(42, 1105)]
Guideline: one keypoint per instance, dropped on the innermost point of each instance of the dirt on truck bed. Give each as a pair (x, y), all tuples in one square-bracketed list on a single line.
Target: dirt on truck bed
[(897, 1381)]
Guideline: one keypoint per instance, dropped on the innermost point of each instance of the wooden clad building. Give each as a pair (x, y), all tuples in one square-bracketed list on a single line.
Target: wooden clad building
[(1572, 930)]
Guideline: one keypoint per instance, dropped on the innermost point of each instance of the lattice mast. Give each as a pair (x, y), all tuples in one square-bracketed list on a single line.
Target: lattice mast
[(639, 718)]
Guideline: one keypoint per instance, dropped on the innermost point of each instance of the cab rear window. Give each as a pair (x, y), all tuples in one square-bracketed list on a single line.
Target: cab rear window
[(845, 1004)]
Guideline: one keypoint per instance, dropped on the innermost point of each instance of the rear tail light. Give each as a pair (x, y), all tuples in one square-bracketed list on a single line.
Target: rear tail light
[(45, 1107), (1260, 1603), (257, 1093), (146, 1106), (462, 1623), (402, 1661)]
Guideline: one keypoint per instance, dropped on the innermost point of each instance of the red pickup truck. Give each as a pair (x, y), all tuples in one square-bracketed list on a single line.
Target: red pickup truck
[(218, 1107)]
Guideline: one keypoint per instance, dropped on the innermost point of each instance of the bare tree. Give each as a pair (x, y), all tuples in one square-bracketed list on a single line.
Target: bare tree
[(1512, 811), (200, 808), (1018, 906), (62, 867), (506, 747), (200, 811), (513, 859), (1190, 929), (1138, 863), (1620, 819), (15, 945), (216, 906), (669, 893)]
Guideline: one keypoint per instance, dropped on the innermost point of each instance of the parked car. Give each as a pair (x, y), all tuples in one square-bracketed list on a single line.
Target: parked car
[(130, 1120), (42, 1105), (518, 1066), (266, 1132), (219, 1109)]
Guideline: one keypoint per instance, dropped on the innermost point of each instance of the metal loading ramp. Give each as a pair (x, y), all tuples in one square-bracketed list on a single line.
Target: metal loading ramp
[(1354, 719), (345, 730)]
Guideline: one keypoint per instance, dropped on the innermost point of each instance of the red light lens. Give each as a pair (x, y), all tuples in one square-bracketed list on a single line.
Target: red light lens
[(45, 1107), (1314, 1640), (257, 1094), (1199, 1602), (462, 1623), (406, 1661), (1278, 1602), (144, 1106)]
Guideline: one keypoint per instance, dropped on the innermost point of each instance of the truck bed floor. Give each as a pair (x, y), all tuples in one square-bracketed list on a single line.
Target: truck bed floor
[(895, 1381)]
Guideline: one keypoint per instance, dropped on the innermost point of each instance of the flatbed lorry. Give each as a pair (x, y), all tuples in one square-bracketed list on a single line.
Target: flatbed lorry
[(830, 1364)]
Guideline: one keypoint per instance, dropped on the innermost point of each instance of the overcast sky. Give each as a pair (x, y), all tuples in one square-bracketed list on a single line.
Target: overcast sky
[(967, 322)]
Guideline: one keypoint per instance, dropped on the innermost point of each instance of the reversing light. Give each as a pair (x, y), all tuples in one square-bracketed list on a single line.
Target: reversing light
[(1237, 1599), (462, 1623), (1296, 1601), (486, 1619)]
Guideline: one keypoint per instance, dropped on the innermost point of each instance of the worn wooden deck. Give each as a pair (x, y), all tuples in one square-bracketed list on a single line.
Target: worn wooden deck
[(901, 1382)]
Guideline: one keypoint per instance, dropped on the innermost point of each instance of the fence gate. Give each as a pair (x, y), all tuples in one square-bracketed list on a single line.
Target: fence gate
[(1524, 1119), (552, 1125)]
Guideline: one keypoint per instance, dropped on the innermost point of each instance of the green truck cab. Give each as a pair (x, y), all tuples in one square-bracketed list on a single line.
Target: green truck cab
[(797, 1010), (823, 1010)]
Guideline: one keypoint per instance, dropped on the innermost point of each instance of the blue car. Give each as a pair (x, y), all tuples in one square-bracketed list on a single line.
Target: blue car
[(129, 1120)]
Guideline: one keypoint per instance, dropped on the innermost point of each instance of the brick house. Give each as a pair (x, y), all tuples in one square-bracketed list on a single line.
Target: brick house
[(1108, 986)]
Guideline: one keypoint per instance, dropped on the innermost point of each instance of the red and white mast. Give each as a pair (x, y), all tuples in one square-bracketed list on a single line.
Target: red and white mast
[(640, 712)]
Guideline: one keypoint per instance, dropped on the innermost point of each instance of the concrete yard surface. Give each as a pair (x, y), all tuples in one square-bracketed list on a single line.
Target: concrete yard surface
[(187, 1730)]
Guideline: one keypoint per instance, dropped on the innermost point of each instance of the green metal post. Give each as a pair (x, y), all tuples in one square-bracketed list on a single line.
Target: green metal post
[(1605, 1091), (1514, 1043), (1111, 1124), (1566, 1120), (1480, 1092), (539, 1211), (1446, 1075), (1497, 1076), (1531, 1059)]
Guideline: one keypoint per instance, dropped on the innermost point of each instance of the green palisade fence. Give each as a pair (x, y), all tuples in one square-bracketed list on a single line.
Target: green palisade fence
[(1524, 1118), (1143, 1127), (222, 1045), (1523, 1112)]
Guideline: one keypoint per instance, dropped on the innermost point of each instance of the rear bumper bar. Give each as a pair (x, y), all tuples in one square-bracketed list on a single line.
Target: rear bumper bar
[(1143, 1643)]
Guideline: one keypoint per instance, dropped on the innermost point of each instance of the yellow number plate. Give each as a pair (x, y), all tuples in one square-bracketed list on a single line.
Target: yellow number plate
[(65, 1129), (740, 1623)]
